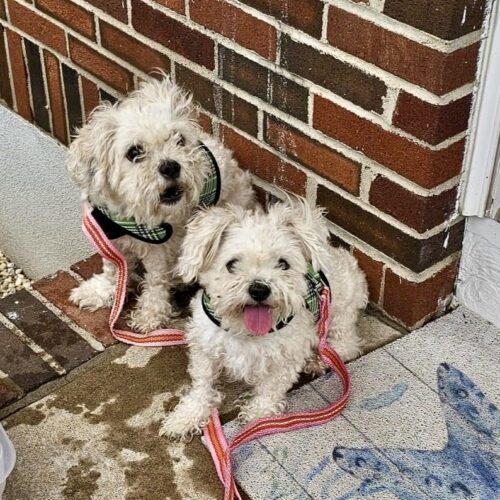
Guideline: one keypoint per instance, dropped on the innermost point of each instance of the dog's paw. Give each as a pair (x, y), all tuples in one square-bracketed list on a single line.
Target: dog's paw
[(257, 408), (92, 294), (314, 366), (178, 426), (142, 321)]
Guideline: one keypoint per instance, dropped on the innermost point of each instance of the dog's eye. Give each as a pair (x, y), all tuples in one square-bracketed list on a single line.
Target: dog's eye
[(135, 153), (230, 265), (283, 264), (181, 141)]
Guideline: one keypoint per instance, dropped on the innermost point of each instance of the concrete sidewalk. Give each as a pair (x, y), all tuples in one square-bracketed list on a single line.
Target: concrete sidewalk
[(421, 424), (94, 434), (416, 426)]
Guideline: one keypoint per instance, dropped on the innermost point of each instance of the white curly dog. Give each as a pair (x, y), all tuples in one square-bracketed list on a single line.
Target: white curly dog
[(145, 165), (251, 320)]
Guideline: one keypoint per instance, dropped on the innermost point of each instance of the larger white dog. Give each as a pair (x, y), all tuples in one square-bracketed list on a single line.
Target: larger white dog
[(255, 318), (145, 165)]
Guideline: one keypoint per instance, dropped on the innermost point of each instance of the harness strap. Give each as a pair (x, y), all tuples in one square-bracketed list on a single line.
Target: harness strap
[(96, 236), (114, 226), (214, 436)]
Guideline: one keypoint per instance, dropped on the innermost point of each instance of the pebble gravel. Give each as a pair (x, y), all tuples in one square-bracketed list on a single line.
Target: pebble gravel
[(12, 278)]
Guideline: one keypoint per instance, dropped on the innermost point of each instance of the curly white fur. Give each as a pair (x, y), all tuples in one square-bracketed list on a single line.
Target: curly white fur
[(271, 364), (160, 118)]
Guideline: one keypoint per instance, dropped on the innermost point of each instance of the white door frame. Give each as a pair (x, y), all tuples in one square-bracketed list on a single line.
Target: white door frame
[(482, 177)]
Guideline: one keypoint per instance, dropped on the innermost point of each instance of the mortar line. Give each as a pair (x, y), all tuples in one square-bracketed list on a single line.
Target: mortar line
[(92, 341), (29, 342)]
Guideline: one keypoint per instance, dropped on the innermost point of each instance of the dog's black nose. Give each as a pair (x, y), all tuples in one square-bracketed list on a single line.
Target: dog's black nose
[(259, 291), (170, 169)]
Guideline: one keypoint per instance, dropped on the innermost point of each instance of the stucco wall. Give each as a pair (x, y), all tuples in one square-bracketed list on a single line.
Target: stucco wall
[(39, 208)]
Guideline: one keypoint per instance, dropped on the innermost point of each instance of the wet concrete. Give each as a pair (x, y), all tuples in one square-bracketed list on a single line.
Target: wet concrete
[(97, 437)]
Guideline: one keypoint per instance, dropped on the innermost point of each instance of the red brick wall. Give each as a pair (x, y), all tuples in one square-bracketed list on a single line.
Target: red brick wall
[(360, 105)]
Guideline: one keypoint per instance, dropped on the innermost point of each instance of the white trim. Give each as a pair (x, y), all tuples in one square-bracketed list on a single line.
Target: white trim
[(494, 198), (478, 285), (485, 125)]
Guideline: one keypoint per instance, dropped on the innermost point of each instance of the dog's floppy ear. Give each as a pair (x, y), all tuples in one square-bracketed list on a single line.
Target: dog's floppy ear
[(307, 224), (203, 237), (90, 153)]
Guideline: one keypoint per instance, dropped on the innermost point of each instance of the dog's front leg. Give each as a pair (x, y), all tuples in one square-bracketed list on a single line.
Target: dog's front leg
[(193, 411), (153, 308), (269, 394)]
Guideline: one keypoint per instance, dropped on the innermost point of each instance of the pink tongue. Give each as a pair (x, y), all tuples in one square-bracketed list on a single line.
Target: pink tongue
[(258, 319)]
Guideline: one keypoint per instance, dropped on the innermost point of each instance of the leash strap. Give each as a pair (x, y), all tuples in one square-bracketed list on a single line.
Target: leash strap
[(158, 338), (216, 441)]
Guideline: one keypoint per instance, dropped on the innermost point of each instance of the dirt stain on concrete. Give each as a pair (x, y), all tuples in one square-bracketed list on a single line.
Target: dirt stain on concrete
[(113, 394), (81, 481), (29, 416)]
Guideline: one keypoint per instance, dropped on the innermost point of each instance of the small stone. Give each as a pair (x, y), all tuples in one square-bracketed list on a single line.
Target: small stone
[(12, 278)]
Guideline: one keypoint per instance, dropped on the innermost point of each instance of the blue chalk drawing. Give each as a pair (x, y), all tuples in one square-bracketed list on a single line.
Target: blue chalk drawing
[(387, 398), (468, 467)]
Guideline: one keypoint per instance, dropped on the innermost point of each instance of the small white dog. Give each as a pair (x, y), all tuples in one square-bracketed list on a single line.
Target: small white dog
[(144, 164), (251, 319)]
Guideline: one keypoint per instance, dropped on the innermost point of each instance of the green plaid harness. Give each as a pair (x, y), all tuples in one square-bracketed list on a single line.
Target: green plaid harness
[(316, 281), (115, 226)]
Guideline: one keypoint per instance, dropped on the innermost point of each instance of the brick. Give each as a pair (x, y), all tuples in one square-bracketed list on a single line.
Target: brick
[(418, 212), (134, 52), (37, 86), (429, 122), (413, 253), (100, 66), (37, 27), (54, 85), (337, 242), (57, 288), (345, 80), (319, 158), (5, 90), (436, 71), (305, 15), (425, 167), (233, 23), (205, 122), (175, 5), (19, 75), (90, 95), (173, 35), (374, 272), (263, 83), (25, 368), (115, 8), (9, 392), (410, 303), (264, 164), (218, 101), (46, 329), (88, 267), (106, 97), (70, 14), (448, 19), (71, 80), (261, 195)]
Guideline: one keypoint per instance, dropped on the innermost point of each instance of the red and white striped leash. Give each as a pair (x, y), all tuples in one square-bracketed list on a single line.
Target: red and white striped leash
[(215, 439), (158, 338), (221, 449)]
